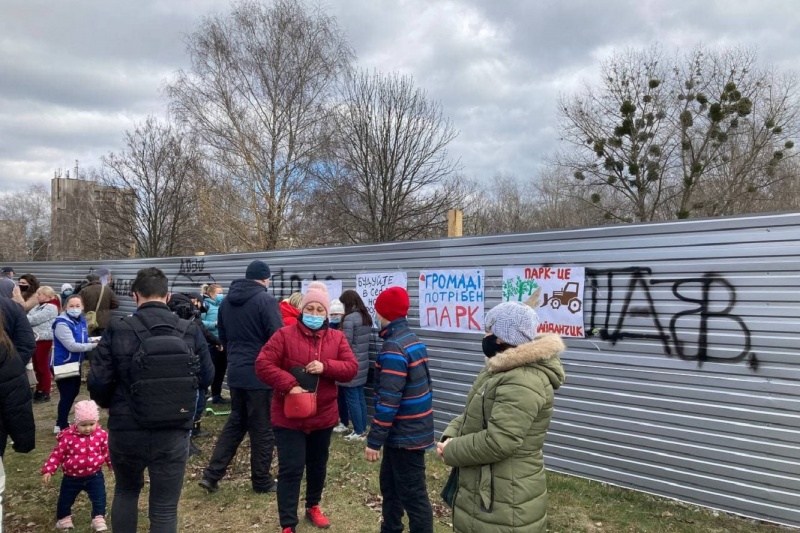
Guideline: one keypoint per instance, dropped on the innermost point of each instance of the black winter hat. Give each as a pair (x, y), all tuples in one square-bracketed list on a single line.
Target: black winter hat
[(258, 270)]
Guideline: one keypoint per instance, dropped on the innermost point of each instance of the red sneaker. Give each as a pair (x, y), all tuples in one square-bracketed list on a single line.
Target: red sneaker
[(288, 530), (315, 516)]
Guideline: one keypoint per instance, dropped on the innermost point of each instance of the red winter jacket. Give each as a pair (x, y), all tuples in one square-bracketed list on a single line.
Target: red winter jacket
[(297, 346), (289, 313), (79, 455)]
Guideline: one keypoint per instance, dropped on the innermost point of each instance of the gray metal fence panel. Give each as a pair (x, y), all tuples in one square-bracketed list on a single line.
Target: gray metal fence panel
[(688, 383)]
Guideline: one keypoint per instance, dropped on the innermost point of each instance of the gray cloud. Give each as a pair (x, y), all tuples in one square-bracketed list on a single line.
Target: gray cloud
[(76, 75)]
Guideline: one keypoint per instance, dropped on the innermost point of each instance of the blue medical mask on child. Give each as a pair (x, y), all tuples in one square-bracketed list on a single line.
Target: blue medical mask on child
[(313, 321), (74, 313), (218, 298), (335, 320)]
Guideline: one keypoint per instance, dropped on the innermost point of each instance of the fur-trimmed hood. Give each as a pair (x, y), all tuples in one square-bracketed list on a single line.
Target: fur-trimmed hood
[(543, 351)]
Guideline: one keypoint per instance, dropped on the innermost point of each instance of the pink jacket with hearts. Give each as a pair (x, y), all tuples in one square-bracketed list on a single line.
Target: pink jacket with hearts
[(79, 455)]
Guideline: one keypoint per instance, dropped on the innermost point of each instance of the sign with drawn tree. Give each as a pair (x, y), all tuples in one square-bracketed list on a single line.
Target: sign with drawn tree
[(560, 305)]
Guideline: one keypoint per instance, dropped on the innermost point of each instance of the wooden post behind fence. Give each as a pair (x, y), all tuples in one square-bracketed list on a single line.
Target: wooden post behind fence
[(455, 224)]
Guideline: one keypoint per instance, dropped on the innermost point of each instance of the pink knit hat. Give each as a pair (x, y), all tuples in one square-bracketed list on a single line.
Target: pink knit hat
[(318, 293), (85, 411)]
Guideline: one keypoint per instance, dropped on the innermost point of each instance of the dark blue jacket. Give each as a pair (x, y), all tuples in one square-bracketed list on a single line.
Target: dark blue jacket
[(403, 391), (247, 319), (109, 377), (18, 328)]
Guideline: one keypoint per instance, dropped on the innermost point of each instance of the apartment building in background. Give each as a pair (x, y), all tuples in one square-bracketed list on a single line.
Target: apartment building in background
[(90, 221)]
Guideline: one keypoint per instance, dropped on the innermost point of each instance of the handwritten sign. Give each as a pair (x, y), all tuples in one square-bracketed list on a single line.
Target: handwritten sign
[(334, 287), (370, 285), (451, 300), (560, 305)]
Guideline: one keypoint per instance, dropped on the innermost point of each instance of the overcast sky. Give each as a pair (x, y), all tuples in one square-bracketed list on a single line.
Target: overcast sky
[(74, 75)]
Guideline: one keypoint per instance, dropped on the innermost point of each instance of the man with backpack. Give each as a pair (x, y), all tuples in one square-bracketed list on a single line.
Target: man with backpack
[(148, 371)]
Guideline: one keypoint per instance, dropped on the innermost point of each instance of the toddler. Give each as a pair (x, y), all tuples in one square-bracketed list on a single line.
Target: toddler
[(81, 451)]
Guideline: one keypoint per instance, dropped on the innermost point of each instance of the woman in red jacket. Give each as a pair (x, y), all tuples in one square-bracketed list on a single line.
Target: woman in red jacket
[(300, 358)]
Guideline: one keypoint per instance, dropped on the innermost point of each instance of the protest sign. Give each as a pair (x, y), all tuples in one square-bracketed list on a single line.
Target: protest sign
[(370, 285), (451, 300), (560, 305), (334, 287)]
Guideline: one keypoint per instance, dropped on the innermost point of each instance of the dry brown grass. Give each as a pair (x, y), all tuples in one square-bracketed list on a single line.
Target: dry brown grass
[(351, 498)]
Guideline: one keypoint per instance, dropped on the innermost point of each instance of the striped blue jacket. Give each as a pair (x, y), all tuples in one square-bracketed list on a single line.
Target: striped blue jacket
[(403, 392)]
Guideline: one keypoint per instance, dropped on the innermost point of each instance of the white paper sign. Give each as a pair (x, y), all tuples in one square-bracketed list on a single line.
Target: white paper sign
[(334, 287), (451, 300), (560, 305), (370, 285)]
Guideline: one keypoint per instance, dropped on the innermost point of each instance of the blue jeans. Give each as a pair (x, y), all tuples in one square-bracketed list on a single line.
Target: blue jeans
[(68, 388), (357, 405), (163, 453), (71, 486)]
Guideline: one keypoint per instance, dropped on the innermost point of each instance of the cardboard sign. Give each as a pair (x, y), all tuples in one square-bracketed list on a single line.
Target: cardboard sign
[(451, 300), (370, 285), (560, 305)]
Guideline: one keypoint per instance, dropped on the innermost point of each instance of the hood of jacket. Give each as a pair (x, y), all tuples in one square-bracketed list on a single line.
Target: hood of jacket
[(288, 309), (543, 351), (243, 290)]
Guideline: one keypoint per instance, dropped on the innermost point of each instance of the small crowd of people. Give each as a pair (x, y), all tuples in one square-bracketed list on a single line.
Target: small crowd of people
[(296, 374)]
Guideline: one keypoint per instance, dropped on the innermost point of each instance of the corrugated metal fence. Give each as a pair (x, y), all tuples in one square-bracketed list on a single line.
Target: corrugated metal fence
[(689, 383)]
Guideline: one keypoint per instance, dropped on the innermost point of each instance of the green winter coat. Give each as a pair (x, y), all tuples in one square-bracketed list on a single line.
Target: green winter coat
[(496, 443)]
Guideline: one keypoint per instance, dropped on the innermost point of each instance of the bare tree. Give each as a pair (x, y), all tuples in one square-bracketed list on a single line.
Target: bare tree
[(389, 176), (26, 219), (258, 96), (676, 137), (503, 205), (159, 166)]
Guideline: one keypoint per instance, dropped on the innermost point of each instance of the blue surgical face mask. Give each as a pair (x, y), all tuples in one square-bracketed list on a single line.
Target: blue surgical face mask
[(312, 321), (218, 298), (335, 320), (75, 313), (67, 292)]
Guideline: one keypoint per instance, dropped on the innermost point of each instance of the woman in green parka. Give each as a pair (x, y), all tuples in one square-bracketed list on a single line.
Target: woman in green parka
[(496, 443)]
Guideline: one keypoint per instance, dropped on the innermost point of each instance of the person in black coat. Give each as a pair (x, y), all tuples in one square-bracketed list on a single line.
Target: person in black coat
[(133, 448), (247, 319), (16, 402)]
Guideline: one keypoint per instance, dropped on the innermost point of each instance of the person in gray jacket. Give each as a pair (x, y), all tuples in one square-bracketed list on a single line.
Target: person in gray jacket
[(357, 328), (42, 317)]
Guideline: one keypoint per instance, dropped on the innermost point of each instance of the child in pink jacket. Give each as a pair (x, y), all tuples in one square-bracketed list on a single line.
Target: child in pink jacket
[(81, 451)]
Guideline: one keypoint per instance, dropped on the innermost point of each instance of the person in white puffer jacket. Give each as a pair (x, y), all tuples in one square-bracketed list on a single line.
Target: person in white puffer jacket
[(41, 318)]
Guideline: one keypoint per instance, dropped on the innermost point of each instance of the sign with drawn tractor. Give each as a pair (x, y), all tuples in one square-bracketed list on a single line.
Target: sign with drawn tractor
[(560, 305)]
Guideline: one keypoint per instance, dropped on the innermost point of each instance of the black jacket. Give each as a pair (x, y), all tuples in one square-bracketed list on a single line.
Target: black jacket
[(247, 318), (16, 405), (18, 327), (108, 380)]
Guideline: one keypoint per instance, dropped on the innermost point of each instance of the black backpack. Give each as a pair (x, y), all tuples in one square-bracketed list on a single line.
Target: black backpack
[(163, 376)]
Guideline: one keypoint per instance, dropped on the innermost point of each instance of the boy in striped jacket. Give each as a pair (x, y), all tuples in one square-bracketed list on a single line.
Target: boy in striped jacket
[(403, 421)]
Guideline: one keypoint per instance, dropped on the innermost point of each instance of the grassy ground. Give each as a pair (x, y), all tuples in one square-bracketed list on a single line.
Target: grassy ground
[(351, 498)]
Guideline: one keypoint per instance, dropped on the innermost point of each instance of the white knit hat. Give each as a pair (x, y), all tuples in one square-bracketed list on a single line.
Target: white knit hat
[(337, 308), (513, 323)]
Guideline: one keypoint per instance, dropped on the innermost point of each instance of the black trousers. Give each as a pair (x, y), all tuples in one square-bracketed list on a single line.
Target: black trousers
[(163, 453), (299, 451), (220, 360), (250, 414), (403, 488)]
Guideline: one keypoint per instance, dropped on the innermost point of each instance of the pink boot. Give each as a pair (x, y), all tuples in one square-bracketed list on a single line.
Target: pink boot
[(99, 523), (65, 523)]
